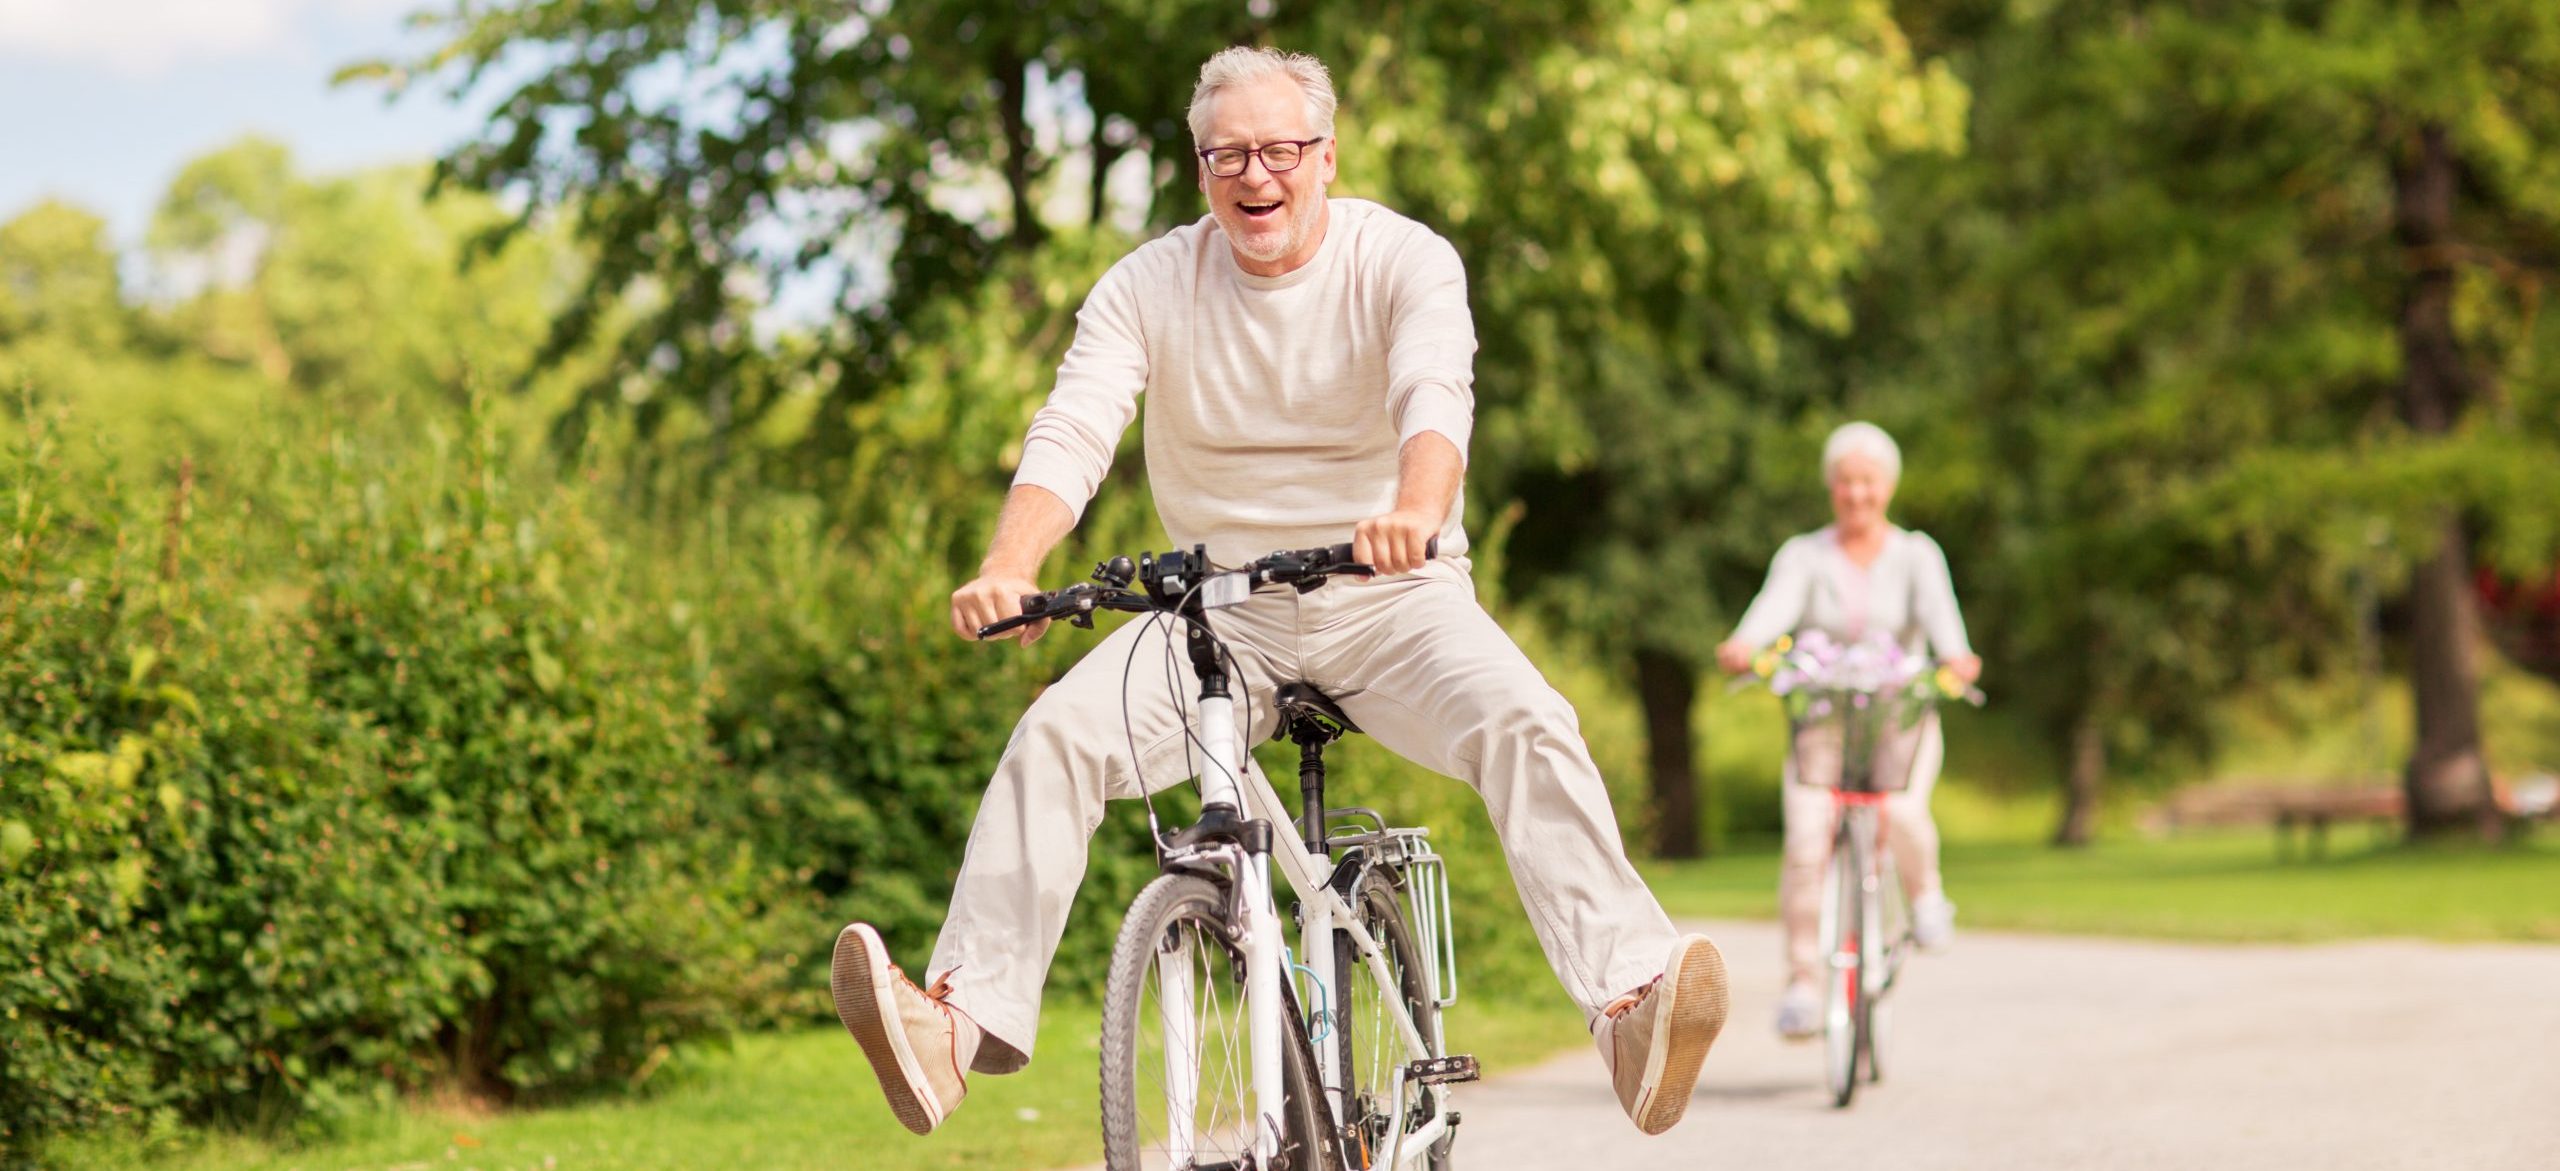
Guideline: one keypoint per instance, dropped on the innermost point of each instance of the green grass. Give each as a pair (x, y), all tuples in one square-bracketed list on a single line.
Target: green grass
[(782, 1102), (2224, 886)]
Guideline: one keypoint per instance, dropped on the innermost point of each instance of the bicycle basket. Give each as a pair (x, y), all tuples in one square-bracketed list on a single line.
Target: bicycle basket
[(1880, 736)]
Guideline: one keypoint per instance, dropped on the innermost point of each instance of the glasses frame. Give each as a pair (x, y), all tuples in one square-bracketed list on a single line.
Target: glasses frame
[(1252, 153)]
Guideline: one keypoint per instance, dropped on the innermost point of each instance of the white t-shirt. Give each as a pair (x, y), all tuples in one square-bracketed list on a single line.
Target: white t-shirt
[(1277, 406), (1906, 594)]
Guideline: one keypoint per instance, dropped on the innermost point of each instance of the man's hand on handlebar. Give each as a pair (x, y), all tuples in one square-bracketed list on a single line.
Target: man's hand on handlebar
[(993, 597), (1398, 542)]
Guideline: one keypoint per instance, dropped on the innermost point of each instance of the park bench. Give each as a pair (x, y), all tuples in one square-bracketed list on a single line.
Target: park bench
[(2308, 808)]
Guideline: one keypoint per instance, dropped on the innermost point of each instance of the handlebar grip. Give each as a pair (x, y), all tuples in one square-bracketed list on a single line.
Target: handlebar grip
[(1017, 621), (1341, 554), (1035, 608)]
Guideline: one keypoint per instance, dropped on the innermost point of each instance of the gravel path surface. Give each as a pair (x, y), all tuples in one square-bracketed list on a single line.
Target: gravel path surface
[(2048, 1052)]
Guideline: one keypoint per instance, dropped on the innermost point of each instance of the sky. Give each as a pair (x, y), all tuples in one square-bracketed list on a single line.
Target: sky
[(102, 101)]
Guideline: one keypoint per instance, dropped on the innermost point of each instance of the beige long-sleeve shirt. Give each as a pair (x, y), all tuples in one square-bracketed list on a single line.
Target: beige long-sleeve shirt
[(1276, 406)]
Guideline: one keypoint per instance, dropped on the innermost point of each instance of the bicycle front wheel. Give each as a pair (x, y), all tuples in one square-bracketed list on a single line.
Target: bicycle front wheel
[(1889, 929), (1177, 1049), (1844, 1017)]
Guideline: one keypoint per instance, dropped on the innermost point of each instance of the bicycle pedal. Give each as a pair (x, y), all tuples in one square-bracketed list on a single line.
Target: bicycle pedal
[(1434, 1071)]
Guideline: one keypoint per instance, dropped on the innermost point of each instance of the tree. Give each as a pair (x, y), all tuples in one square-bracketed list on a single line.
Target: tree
[(710, 152), (351, 289), (1650, 198), (1661, 205), (58, 279), (2230, 299)]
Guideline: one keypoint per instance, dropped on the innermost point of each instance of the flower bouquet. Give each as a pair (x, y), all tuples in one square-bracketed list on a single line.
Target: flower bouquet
[(1857, 709)]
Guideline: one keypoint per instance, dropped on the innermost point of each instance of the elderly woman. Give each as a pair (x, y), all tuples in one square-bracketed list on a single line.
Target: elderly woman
[(1861, 576)]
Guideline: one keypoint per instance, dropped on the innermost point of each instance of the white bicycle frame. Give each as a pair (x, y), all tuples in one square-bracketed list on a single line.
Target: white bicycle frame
[(1228, 779)]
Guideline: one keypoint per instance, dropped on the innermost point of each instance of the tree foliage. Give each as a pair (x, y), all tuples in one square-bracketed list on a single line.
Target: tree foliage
[(2161, 308), (1652, 199)]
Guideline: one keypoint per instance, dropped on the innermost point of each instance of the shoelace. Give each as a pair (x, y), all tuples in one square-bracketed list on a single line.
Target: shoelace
[(1624, 1004), (939, 994)]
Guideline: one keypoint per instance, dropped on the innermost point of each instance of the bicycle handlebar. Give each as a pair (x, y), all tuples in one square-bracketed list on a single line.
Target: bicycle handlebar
[(1171, 581)]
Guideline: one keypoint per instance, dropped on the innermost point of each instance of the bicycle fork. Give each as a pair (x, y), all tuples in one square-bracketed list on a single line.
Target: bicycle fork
[(1221, 787)]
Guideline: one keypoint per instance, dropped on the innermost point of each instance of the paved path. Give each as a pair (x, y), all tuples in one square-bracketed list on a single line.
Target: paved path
[(2046, 1052)]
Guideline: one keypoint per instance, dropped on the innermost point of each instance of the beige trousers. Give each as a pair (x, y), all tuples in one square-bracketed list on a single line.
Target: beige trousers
[(1416, 663), (1910, 834)]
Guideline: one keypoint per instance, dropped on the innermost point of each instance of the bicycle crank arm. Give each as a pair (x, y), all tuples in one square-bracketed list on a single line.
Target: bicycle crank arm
[(1434, 1071)]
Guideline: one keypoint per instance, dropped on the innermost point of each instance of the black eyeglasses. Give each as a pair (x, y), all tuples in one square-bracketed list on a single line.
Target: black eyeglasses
[(1227, 162)]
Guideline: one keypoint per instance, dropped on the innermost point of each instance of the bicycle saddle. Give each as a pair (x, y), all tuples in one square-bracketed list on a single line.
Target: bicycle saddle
[(1308, 715)]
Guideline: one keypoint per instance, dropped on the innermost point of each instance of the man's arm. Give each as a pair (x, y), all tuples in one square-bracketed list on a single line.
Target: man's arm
[(1064, 454), (1034, 520), (1428, 472), (1430, 402)]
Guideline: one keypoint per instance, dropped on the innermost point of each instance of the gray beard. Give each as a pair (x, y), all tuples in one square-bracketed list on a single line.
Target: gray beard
[(1290, 241)]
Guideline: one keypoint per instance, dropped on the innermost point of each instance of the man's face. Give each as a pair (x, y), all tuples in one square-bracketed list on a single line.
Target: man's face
[(1274, 222)]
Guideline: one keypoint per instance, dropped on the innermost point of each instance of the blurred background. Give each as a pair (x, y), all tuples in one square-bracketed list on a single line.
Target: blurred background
[(484, 481)]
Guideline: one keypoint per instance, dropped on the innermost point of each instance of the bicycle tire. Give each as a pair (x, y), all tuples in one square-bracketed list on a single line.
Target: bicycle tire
[(1366, 1041), (1844, 993), (1893, 934), (1183, 918)]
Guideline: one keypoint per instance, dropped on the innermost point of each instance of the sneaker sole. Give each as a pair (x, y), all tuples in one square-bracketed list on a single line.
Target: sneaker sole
[(1685, 1030), (861, 980)]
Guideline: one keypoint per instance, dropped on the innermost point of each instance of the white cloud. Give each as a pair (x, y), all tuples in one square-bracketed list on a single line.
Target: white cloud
[(141, 37)]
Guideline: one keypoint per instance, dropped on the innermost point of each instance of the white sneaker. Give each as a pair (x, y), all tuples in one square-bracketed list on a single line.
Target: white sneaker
[(1933, 921), (1800, 1012)]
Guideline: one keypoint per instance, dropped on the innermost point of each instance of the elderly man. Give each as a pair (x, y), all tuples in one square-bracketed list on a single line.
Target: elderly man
[(1308, 364)]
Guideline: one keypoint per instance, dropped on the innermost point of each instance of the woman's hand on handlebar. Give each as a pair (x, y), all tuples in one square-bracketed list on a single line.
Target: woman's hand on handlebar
[(1398, 542), (1967, 670), (1734, 656), (992, 597)]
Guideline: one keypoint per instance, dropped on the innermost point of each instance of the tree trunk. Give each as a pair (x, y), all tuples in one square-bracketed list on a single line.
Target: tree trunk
[(1013, 88), (1668, 687), (2088, 774), (1105, 156), (2446, 782)]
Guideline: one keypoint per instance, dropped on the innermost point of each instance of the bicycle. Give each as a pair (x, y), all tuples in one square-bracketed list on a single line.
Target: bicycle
[(1866, 918), (1858, 714), (1211, 1059)]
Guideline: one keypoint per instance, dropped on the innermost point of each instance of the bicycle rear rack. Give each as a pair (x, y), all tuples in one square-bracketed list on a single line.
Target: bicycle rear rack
[(1407, 851)]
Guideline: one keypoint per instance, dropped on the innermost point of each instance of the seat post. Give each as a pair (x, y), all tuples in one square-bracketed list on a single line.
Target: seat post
[(1311, 790)]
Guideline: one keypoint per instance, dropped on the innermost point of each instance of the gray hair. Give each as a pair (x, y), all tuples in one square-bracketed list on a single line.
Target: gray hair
[(1246, 63), (1865, 439)]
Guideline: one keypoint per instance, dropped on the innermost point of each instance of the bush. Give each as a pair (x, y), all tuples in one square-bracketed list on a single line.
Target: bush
[(362, 761), (357, 779), (860, 733)]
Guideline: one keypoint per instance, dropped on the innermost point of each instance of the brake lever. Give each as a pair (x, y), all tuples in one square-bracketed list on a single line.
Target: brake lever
[(1309, 585), (1014, 623)]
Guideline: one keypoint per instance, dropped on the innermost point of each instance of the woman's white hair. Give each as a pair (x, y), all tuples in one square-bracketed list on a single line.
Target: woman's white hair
[(1865, 439), (1245, 63)]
